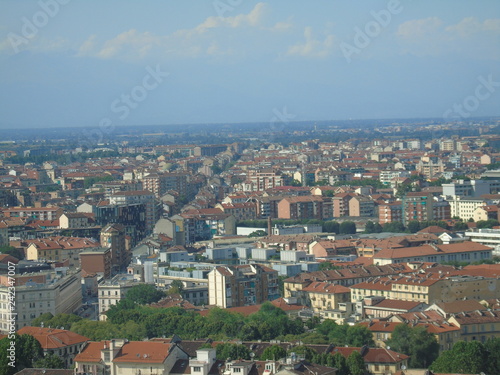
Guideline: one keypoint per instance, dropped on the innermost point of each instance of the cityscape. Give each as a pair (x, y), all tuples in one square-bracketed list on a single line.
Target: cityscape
[(230, 190)]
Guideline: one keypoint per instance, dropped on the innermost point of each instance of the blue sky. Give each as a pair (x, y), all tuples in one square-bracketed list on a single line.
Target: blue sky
[(75, 63)]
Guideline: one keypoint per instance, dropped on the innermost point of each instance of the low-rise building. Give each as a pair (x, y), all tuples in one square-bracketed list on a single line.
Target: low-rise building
[(59, 249), (127, 357), (455, 252), (59, 342)]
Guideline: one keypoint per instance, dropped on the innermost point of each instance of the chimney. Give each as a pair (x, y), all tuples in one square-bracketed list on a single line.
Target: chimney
[(269, 226)]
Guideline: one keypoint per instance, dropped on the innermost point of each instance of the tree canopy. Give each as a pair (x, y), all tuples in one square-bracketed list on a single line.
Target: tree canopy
[(415, 342)]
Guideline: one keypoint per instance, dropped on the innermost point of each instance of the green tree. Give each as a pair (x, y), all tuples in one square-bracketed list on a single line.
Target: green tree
[(487, 223), (358, 336), (303, 351), (347, 227), (51, 361), (356, 364), (12, 251), (413, 226), (258, 233), (369, 227), (144, 294), (176, 287), (233, 351), (394, 227), (460, 225), (26, 350), (273, 352), (492, 347), (415, 342), (465, 358), (340, 363), (372, 227), (331, 227), (61, 321)]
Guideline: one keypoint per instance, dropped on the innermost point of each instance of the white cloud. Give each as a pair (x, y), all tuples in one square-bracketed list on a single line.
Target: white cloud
[(470, 26), (313, 48), (194, 42), (469, 36), (419, 28)]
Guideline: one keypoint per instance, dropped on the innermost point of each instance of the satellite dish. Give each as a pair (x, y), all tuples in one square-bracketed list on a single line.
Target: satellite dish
[(252, 354), (403, 367)]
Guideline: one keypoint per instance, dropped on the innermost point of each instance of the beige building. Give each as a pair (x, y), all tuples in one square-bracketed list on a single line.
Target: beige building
[(428, 288), (466, 251), (465, 207), (37, 294), (74, 220), (478, 325), (123, 357), (321, 296), (62, 343), (244, 285), (59, 249), (362, 206), (112, 291)]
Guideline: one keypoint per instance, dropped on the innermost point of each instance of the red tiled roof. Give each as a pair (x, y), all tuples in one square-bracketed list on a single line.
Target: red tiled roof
[(91, 352), (143, 352), (51, 338)]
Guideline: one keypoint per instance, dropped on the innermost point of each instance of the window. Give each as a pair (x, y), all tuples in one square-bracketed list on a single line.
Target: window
[(236, 369), (196, 369)]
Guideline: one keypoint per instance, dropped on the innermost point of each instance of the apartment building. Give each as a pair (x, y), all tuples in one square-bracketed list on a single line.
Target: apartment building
[(466, 251), (341, 204), (96, 262), (145, 197), (306, 207), (321, 296), (362, 206), (112, 291), (464, 207), (470, 189), (390, 212), (36, 213), (59, 249), (478, 325), (160, 183), (74, 220), (233, 286), (40, 293), (487, 237), (113, 237), (131, 216), (240, 211), (427, 288), (259, 180)]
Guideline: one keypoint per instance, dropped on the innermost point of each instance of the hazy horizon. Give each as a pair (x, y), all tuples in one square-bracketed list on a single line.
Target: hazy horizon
[(85, 64)]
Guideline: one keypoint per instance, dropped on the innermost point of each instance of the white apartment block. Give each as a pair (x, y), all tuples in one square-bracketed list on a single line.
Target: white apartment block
[(463, 207)]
